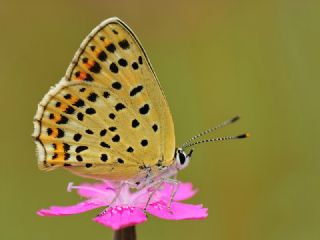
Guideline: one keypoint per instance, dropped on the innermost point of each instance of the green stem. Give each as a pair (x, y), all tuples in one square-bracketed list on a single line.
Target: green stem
[(128, 233)]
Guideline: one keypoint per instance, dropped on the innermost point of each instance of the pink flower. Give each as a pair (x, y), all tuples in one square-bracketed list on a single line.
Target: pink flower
[(128, 209)]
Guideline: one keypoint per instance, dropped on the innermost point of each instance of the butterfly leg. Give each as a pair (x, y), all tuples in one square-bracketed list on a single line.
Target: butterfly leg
[(155, 187), (116, 196), (175, 186)]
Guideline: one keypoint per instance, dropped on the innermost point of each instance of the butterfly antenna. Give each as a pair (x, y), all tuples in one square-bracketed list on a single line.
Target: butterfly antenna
[(245, 135), (232, 120)]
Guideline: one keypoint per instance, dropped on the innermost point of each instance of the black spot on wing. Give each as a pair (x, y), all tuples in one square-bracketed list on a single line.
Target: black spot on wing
[(104, 144), (79, 103), (92, 97), (80, 116), (112, 116), (112, 129), (90, 111), (155, 127), (89, 131), (135, 123), (63, 120), (103, 132), (135, 65), (66, 147), (130, 149), (144, 142), (79, 158), (77, 137), (104, 157), (144, 109), (136, 90), (106, 94), (81, 148), (66, 156), (120, 161), (88, 165), (116, 138), (102, 56), (67, 96), (124, 44), (119, 106), (69, 110), (116, 85), (77, 73), (111, 48), (122, 62), (88, 78), (60, 133), (49, 131), (95, 68), (114, 68)]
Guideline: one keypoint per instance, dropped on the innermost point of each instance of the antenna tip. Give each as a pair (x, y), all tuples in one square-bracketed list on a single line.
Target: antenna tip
[(245, 135), (236, 118)]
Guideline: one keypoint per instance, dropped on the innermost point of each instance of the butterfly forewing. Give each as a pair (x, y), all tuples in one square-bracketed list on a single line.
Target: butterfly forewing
[(108, 118)]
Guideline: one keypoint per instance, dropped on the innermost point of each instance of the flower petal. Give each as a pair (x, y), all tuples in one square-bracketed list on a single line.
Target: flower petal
[(69, 210), (96, 190), (179, 211), (184, 191), (121, 216)]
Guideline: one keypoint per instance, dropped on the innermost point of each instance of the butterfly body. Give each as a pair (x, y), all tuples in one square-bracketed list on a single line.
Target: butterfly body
[(108, 117)]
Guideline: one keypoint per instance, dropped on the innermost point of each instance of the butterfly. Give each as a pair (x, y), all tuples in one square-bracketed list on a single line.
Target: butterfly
[(108, 117)]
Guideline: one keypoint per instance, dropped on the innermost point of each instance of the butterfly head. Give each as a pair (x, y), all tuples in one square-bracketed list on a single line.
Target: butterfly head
[(182, 158)]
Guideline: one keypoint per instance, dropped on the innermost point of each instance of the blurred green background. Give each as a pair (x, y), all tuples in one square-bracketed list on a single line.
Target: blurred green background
[(215, 59)]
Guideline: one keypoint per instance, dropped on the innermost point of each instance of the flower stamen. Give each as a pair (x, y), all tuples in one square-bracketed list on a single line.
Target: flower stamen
[(103, 192)]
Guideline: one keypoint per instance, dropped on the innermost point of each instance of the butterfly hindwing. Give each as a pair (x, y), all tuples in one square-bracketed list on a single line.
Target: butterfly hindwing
[(108, 116)]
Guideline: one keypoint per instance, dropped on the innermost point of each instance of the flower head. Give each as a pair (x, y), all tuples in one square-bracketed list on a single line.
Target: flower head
[(128, 208)]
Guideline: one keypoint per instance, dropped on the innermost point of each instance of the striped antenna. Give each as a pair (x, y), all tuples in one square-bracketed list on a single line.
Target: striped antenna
[(245, 135), (232, 120)]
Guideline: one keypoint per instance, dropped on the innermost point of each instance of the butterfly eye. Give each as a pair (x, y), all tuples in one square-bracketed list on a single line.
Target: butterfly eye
[(182, 159)]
